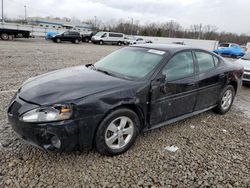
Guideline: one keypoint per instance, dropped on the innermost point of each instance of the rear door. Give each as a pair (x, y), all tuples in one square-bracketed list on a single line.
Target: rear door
[(211, 78), (176, 95)]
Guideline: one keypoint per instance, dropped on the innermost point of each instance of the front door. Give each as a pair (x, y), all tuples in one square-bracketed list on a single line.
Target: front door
[(176, 94)]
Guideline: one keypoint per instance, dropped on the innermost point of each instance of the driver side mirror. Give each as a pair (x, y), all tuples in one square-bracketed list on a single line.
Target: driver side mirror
[(162, 78)]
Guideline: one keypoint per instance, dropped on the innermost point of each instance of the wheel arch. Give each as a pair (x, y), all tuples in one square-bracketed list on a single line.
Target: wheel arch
[(234, 84), (131, 106)]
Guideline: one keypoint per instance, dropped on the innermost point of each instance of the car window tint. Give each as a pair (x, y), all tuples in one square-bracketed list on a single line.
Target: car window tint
[(205, 61), (180, 66)]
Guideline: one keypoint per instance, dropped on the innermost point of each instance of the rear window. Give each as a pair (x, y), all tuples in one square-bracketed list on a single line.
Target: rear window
[(74, 33), (115, 35), (205, 61)]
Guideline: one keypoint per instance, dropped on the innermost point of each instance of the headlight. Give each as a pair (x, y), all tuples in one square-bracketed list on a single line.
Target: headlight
[(48, 114)]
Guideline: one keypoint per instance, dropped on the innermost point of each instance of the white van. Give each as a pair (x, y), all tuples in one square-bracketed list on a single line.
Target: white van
[(108, 38)]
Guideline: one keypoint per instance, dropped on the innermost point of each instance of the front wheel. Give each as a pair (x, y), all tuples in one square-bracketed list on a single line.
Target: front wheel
[(226, 100), (58, 40), (101, 42), (117, 132), (4, 36)]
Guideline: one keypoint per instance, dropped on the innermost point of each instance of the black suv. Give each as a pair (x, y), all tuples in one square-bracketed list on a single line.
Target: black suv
[(71, 36)]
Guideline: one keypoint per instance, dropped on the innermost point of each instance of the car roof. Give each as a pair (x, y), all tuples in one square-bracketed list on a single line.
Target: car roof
[(164, 47)]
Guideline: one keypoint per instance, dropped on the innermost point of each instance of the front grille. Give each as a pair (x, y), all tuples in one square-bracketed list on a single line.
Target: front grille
[(13, 109), (246, 70), (246, 76)]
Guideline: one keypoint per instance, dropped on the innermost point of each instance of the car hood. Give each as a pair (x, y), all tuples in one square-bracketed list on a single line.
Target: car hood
[(67, 84), (244, 63)]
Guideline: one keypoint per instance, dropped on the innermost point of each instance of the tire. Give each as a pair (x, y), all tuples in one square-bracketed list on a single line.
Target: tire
[(76, 41), (119, 43), (101, 42), (224, 105), (113, 128), (58, 40), (4, 36)]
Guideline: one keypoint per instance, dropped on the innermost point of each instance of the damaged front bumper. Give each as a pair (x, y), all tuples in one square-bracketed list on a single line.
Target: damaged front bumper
[(60, 136)]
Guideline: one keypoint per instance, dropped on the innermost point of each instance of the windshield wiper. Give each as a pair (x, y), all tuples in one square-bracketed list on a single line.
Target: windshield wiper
[(104, 71), (92, 66)]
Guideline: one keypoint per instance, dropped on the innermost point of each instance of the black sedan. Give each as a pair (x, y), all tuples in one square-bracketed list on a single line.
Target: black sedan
[(134, 89)]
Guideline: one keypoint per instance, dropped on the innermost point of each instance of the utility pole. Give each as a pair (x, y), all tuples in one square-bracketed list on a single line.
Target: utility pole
[(199, 37), (95, 22), (132, 26), (25, 13), (2, 13)]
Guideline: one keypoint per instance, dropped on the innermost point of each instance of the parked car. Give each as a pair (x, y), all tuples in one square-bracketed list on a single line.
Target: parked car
[(139, 40), (245, 62), (108, 38), (6, 34), (87, 36), (134, 89), (50, 35), (233, 50), (72, 36)]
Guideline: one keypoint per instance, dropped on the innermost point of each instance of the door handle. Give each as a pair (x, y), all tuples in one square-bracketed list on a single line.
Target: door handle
[(191, 84)]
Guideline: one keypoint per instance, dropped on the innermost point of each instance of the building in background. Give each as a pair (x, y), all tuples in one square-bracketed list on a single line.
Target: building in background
[(59, 24)]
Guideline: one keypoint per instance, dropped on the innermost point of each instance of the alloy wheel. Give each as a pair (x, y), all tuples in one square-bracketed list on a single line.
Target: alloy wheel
[(119, 132), (227, 99)]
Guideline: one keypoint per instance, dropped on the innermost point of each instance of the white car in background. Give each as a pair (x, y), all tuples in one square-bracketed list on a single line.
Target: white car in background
[(245, 62), (108, 38), (139, 40)]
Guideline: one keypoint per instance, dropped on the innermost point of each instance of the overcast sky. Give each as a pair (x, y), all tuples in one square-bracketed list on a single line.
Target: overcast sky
[(227, 15)]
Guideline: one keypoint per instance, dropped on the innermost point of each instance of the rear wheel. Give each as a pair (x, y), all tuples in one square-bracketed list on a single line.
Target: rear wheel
[(119, 43), (76, 41), (117, 132), (4, 36), (226, 100)]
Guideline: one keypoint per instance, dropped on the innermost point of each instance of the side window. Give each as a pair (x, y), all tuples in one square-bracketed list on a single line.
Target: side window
[(180, 66), (205, 61), (216, 61), (104, 35)]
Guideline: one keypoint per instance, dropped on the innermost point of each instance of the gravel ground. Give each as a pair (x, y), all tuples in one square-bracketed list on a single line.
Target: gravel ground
[(213, 150)]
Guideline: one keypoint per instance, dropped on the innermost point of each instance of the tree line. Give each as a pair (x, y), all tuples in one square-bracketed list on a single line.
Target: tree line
[(173, 29)]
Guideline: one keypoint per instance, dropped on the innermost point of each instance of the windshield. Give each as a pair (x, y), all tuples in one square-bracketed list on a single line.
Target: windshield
[(246, 56), (131, 62), (99, 34)]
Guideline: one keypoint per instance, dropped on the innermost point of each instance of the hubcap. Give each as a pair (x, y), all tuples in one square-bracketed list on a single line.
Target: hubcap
[(227, 99), (119, 132)]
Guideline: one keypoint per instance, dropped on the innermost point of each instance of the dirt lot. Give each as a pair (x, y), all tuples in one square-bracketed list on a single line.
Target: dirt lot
[(214, 150)]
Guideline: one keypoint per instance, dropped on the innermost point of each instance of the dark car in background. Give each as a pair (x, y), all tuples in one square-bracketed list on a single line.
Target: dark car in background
[(87, 36), (134, 89), (71, 36)]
